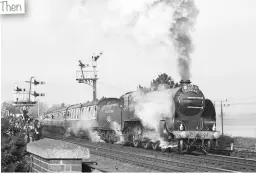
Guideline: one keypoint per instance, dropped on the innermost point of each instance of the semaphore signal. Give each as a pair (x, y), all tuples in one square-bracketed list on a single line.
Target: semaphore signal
[(89, 77), (24, 99)]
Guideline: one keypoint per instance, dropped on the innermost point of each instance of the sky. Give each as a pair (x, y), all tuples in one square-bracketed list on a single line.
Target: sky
[(49, 40)]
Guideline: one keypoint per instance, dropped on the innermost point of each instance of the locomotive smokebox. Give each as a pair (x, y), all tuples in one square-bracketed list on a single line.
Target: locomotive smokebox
[(183, 82)]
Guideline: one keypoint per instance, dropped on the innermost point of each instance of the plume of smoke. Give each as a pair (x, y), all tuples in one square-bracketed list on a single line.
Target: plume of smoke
[(154, 22), (150, 22), (184, 16)]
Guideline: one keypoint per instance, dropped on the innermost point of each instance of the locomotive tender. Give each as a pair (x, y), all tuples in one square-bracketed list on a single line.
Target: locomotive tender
[(193, 126)]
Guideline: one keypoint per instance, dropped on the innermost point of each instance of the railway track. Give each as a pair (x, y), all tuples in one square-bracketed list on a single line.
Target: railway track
[(236, 153), (221, 161), (153, 162)]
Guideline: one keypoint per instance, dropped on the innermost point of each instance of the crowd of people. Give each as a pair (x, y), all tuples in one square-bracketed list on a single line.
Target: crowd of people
[(29, 127)]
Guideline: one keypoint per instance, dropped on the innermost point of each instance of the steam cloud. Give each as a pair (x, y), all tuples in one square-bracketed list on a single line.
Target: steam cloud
[(152, 107), (150, 22), (84, 127), (117, 128)]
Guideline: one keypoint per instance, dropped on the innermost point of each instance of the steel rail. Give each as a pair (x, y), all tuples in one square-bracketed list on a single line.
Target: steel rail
[(164, 164)]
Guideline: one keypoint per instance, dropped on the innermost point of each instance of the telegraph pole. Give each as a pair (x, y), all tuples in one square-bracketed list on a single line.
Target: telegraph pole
[(89, 77), (222, 104)]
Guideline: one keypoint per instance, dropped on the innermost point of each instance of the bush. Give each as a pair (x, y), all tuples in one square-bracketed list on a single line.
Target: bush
[(13, 150), (225, 141)]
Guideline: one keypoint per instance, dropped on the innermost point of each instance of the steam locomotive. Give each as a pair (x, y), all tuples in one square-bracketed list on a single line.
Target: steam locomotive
[(192, 127)]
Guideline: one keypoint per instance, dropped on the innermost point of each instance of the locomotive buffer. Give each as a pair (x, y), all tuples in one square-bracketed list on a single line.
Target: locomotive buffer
[(89, 77)]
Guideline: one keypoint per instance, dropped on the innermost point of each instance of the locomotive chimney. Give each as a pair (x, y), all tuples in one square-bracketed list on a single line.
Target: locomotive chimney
[(183, 82)]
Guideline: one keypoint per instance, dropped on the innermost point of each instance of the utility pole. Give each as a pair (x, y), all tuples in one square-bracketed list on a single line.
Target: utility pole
[(89, 77), (222, 104)]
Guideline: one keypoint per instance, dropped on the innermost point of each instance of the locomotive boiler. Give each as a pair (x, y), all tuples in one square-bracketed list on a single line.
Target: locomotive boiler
[(192, 127)]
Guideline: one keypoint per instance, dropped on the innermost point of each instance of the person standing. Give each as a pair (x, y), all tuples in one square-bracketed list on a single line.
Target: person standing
[(31, 132), (26, 130), (38, 130)]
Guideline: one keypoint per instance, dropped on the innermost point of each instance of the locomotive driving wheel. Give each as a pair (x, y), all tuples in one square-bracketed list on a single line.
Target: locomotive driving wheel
[(156, 145), (136, 142), (147, 145), (136, 131)]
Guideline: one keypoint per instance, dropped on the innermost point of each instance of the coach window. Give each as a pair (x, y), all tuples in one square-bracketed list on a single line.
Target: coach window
[(73, 113), (69, 114), (76, 113), (84, 112), (79, 113)]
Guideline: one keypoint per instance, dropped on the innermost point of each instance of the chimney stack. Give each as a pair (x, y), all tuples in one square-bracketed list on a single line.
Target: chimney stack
[(183, 82)]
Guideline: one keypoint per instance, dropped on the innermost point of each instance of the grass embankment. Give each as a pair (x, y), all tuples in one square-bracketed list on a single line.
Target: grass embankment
[(239, 142), (245, 142)]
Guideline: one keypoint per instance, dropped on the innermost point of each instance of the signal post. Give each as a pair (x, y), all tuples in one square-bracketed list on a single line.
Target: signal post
[(89, 77), (24, 99)]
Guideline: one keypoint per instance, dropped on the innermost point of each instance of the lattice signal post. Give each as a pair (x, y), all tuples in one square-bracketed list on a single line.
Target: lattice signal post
[(23, 99), (89, 77)]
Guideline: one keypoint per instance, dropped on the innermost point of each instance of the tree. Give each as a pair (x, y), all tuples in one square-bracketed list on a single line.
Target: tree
[(163, 79), (54, 107), (7, 107), (13, 150), (62, 105)]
